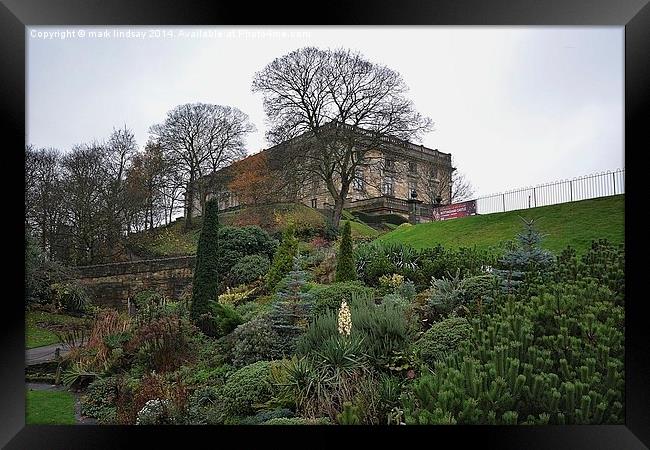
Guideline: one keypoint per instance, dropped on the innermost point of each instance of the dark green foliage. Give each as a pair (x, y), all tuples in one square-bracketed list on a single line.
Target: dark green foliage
[(99, 399), (345, 267), (298, 421), (526, 259), (250, 268), (375, 260), (443, 339), (394, 219), (265, 416), (254, 341), (329, 296), (292, 309), (462, 295), (205, 284), (283, 258), (71, 296), (40, 274), (219, 320), (556, 358), (235, 243), (247, 387)]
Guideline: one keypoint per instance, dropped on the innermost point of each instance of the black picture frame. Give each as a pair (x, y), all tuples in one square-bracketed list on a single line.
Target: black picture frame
[(634, 15)]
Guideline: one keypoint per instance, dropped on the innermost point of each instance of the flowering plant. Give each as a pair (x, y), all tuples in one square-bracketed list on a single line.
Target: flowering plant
[(345, 319)]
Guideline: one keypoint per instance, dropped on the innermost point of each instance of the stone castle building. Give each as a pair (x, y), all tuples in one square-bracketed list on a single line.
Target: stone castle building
[(383, 183)]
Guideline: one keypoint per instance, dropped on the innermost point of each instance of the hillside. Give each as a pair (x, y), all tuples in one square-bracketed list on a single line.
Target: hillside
[(575, 224), (174, 240)]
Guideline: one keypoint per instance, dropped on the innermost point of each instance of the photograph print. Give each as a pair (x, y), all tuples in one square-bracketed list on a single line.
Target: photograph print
[(325, 225)]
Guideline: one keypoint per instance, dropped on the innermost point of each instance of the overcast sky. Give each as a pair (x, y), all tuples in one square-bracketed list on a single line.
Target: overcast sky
[(515, 106)]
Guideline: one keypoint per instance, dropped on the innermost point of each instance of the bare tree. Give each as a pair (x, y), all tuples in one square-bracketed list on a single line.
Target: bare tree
[(43, 195), (85, 179), (444, 187), (343, 107), (198, 138)]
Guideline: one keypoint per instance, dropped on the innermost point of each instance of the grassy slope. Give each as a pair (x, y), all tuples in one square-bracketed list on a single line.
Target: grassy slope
[(39, 324), (575, 224), (174, 240), (50, 408)]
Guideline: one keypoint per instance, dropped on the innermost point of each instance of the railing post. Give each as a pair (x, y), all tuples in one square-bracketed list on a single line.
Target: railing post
[(503, 198), (614, 181), (534, 197), (571, 190)]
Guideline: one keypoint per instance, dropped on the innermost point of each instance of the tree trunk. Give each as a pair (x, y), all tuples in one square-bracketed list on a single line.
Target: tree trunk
[(189, 202), (338, 212)]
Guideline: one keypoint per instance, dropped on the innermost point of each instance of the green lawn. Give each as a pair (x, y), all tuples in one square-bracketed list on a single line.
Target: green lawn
[(40, 325), (360, 229), (575, 224), (50, 408)]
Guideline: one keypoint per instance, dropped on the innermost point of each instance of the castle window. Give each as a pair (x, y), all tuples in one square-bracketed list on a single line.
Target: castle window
[(389, 164), (358, 181), (314, 202), (413, 166), (388, 186)]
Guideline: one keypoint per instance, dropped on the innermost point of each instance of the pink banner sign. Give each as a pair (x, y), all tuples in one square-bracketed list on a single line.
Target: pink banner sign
[(455, 211)]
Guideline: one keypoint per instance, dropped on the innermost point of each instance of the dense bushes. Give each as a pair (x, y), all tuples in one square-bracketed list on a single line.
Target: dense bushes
[(236, 243), (442, 339), (381, 330), (247, 387), (556, 357), (329, 296), (254, 341), (70, 296), (250, 268), (375, 260)]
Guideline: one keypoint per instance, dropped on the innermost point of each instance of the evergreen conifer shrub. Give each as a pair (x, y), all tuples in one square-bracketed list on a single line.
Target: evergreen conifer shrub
[(206, 277), (346, 269), (283, 258)]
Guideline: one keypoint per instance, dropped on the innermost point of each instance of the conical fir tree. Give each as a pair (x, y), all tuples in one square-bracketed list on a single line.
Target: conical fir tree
[(527, 258), (292, 308), (206, 278), (346, 269), (283, 258)]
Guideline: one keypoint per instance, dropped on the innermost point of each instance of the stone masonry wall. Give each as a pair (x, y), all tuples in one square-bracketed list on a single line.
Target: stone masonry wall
[(113, 284)]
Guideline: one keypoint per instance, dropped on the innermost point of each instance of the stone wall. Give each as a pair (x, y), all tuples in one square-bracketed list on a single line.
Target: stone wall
[(113, 284)]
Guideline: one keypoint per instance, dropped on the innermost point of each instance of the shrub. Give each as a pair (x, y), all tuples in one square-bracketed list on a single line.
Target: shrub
[(250, 268), (247, 387), (220, 320), (330, 296), (283, 258), (71, 296), (442, 339), (291, 311), (345, 267), (265, 416), (555, 358), (526, 258), (206, 275), (298, 421), (99, 399), (254, 341), (382, 330), (237, 243)]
